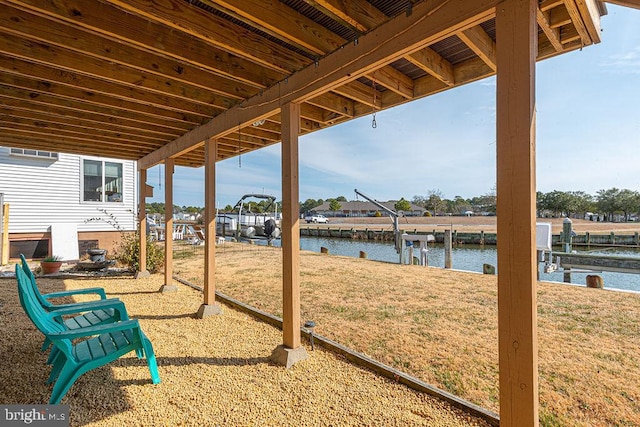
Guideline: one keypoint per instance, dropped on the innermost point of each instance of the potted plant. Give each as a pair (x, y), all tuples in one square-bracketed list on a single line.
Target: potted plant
[(51, 264)]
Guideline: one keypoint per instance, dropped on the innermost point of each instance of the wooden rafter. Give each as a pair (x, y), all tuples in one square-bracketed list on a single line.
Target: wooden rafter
[(152, 72), (480, 42), (433, 63), (414, 32), (553, 34)]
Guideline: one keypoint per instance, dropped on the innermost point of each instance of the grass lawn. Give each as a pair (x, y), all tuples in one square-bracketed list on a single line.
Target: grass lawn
[(441, 326)]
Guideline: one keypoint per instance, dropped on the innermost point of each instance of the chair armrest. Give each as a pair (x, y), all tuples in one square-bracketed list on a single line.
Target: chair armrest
[(95, 330), (90, 304), (116, 304), (98, 291)]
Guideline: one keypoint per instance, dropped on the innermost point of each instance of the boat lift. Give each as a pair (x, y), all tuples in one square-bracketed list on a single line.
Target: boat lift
[(403, 240)]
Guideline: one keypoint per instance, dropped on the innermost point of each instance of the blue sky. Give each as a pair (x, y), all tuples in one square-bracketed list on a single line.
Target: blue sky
[(588, 137)]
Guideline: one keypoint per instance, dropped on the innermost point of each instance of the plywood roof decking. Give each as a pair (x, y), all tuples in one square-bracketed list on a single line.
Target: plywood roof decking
[(124, 78)]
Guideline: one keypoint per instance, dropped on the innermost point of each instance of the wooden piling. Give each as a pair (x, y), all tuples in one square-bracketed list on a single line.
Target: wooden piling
[(447, 249), (595, 281)]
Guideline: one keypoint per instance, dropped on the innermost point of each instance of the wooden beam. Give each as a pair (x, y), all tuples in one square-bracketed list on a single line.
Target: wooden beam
[(169, 286), (282, 22), (549, 4), (75, 62), (5, 234), (393, 40), (109, 21), (62, 138), (576, 19), (553, 34), (133, 119), (335, 103), (290, 226), (142, 222), (393, 80), (94, 91), (517, 35), (360, 92), (430, 61), (210, 158), (217, 31), (590, 12), (559, 17), (45, 30), (53, 117), (54, 107), (81, 131), (480, 42), (357, 14)]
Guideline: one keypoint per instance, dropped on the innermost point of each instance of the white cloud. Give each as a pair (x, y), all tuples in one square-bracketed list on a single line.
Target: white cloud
[(623, 63)]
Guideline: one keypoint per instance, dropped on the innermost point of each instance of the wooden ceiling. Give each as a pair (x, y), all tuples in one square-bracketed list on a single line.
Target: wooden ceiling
[(147, 79)]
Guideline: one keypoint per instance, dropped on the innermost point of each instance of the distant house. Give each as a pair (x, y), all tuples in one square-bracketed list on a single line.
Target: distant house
[(357, 208), (63, 204)]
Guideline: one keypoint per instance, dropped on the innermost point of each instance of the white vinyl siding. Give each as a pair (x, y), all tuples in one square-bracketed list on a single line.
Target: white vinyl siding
[(42, 192)]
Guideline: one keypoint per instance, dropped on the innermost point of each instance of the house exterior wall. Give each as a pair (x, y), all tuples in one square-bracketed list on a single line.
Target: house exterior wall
[(42, 192)]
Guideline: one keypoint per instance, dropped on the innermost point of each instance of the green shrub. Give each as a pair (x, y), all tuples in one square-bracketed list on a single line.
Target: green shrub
[(128, 253), (377, 214)]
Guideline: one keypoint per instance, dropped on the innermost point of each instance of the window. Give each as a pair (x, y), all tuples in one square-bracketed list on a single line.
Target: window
[(33, 153), (101, 181)]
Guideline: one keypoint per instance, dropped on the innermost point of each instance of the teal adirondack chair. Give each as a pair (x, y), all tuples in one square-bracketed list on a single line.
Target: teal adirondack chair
[(100, 345), (44, 299), (90, 313)]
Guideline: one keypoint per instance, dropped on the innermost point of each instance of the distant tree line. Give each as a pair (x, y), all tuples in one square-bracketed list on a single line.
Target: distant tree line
[(436, 204), (158, 208), (606, 205)]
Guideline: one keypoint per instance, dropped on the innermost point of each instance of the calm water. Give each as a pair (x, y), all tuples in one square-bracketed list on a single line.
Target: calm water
[(468, 257)]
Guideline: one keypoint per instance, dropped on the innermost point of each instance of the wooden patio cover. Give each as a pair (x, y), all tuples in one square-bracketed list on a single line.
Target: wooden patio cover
[(192, 82)]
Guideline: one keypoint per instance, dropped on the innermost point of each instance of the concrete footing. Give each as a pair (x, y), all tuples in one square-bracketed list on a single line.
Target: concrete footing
[(288, 357), (141, 274), (165, 289), (207, 310)]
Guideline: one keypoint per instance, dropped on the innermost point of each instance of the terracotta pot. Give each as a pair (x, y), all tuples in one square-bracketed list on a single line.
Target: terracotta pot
[(50, 267)]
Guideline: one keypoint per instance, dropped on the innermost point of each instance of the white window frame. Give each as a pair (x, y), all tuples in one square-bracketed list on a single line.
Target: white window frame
[(104, 197), (37, 154)]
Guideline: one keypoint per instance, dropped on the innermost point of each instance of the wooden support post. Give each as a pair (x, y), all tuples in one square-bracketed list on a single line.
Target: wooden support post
[(209, 306), (5, 233), (168, 286), (517, 35), (448, 244), (567, 235), (142, 225), (291, 351)]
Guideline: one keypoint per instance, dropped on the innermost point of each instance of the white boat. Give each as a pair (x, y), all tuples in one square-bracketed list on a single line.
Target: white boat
[(242, 223)]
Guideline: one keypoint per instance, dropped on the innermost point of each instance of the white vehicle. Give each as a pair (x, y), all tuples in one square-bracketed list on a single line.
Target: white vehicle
[(317, 219)]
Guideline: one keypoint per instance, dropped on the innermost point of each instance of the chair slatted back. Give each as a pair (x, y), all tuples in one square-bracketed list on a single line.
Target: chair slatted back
[(38, 316), (32, 279)]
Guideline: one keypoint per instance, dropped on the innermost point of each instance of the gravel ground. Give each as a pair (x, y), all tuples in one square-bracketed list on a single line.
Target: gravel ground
[(214, 372)]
